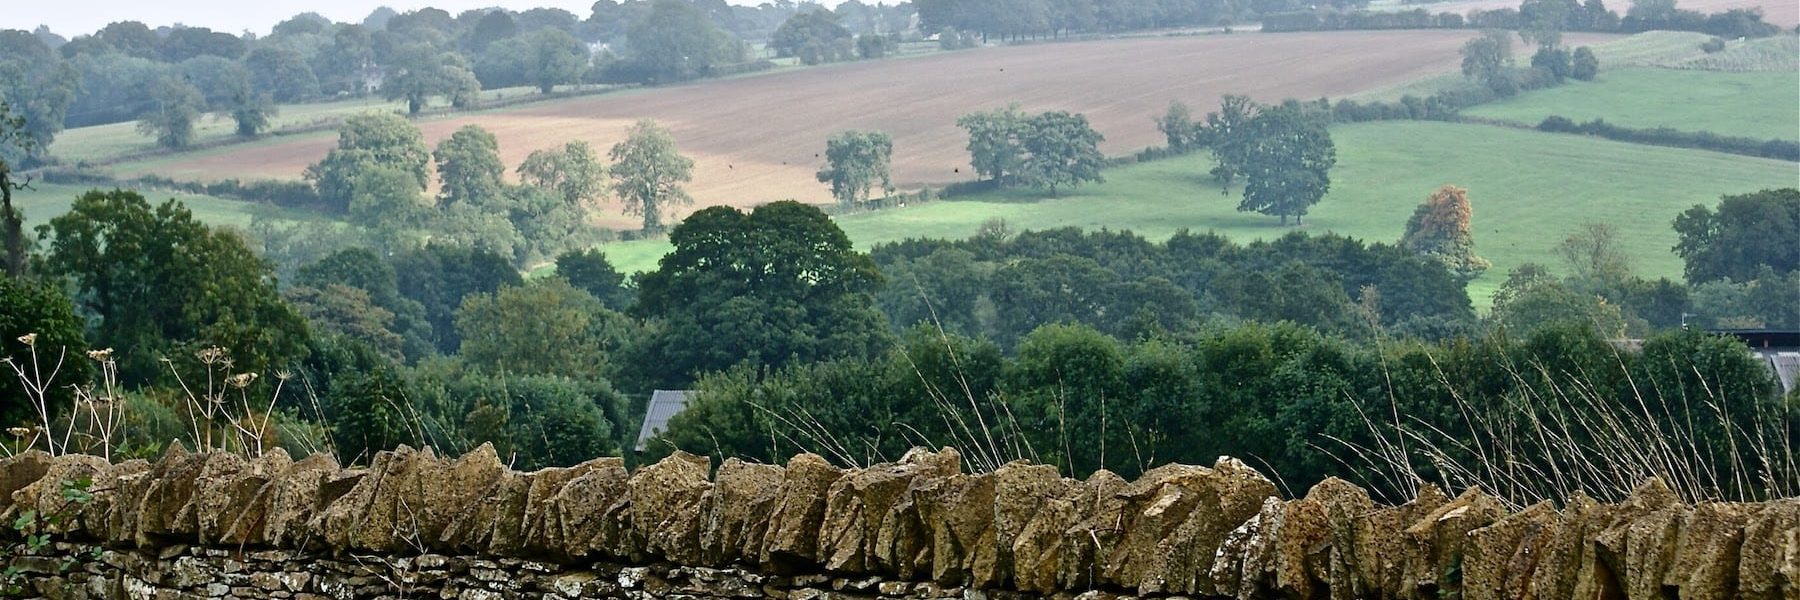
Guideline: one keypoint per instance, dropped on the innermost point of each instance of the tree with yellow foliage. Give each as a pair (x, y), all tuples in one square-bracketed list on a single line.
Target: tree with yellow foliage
[(1440, 228)]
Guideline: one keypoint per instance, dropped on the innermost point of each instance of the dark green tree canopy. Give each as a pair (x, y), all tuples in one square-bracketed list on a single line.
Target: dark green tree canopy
[(368, 142), (469, 167), (161, 284), (1744, 234), (777, 285), (1061, 150), (589, 271), (39, 309)]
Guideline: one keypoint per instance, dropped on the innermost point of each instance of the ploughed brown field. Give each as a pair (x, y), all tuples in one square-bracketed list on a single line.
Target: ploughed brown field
[(758, 139)]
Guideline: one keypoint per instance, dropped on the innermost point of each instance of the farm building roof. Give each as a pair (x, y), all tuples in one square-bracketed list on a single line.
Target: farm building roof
[(664, 405)]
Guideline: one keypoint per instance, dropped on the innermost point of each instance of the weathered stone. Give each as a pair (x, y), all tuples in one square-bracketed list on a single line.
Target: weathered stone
[(1435, 543), (18, 471), (1504, 547), (1605, 553), (1560, 548), (1343, 503), (1152, 508), (379, 513), (1705, 561), (793, 539), (45, 495), (668, 504), (217, 525), (1769, 562), (1093, 538), (958, 511), (550, 516), (1382, 545), (229, 488), (450, 491), (857, 503), (743, 496), (1038, 548), (1021, 490)]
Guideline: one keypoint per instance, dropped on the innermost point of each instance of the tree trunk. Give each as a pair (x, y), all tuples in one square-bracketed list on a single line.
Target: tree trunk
[(12, 228)]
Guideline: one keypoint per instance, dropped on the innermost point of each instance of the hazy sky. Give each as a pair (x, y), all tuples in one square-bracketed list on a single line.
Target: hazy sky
[(72, 17)]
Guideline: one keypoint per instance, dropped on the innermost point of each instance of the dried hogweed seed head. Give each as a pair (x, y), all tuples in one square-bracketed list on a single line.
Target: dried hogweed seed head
[(242, 380)]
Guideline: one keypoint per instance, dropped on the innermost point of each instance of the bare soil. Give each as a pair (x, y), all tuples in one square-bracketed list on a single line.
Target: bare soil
[(758, 139)]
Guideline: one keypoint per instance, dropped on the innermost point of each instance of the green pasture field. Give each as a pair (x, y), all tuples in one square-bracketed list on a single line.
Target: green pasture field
[(42, 202), (1760, 105), (1529, 190)]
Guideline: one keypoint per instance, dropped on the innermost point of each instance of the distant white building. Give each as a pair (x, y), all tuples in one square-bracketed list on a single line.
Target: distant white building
[(664, 405)]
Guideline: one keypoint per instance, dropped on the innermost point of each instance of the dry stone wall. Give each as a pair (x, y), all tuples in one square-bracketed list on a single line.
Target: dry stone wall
[(413, 525)]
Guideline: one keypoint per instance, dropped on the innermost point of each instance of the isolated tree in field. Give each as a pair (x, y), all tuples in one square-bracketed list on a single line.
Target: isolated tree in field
[(1286, 164), (557, 58), (572, 172), (419, 71), (175, 108), (367, 142), (1584, 65), (1743, 235), (1062, 150), (1178, 127), (1440, 229), (469, 167), (1487, 57), (1227, 133), (1553, 59), (252, 110), (855, 161), (994, 147), (163, 284), (647, 173)]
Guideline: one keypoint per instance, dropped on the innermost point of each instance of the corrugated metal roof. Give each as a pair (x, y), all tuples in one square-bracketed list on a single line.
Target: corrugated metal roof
[(664, 404), (1786, 367)]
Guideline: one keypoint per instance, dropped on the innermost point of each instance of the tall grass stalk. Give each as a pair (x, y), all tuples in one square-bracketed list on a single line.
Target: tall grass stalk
[(1550, 440)]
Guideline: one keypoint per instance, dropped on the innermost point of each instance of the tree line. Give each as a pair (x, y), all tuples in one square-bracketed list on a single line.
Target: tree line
[(1563, 15), (167, 78), (1018, 19)]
